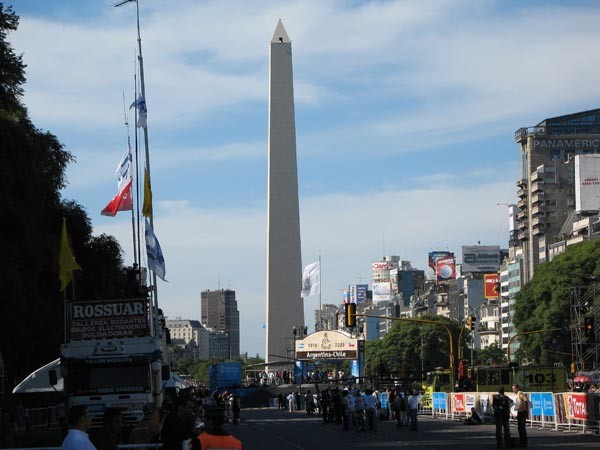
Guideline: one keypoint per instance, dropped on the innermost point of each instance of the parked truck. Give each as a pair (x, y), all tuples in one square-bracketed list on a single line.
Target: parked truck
[(115, 356)]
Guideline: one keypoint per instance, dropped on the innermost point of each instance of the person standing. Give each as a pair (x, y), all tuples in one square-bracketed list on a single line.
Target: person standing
[(215, 436), (109, 436), (77, 437), (178, 425), (522, 407), (501, 406), (147, 431), (413, 409)]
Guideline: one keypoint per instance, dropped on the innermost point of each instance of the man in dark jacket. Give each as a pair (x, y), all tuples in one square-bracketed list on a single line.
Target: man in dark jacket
[(501, 406), (178, 425)]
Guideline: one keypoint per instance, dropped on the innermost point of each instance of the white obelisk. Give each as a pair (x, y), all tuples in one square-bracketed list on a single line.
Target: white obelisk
[(285, 308)]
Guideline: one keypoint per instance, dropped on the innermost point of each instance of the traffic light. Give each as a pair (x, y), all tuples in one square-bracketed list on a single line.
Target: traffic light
[(589, 328), (470, 323), (350, 314)]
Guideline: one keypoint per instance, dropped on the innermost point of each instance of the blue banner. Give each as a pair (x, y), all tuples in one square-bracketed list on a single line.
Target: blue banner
[(536, 403), (547, 404), (361, 293), (439, 401), (354, 368)]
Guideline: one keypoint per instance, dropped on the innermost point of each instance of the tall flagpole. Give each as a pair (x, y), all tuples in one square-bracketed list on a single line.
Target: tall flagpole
[(320, 289), (153, 317), (147, 155)]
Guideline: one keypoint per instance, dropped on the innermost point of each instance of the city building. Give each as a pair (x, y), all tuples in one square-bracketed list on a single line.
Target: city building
[(218, 345), (546, 189), (189, 334), (220, 312)]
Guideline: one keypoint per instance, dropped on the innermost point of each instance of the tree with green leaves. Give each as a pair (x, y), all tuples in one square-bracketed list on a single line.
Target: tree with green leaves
[(32, 168), (410, 346), (544, 303)]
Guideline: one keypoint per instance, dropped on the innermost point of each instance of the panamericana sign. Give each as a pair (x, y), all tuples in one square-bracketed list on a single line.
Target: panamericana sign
[(327, 345)]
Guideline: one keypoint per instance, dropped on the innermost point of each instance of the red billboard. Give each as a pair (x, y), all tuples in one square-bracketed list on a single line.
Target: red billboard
[(491, 285)]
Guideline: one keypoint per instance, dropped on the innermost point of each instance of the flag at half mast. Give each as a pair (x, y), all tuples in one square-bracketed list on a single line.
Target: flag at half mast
[(123, 201), (311, 280), (66, 260)]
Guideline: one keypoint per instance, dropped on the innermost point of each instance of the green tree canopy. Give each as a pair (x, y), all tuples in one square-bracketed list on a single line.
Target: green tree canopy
[(32, 168), (544, 303), (410, 346)]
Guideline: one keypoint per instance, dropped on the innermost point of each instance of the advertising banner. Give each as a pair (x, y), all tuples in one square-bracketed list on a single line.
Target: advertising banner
[(109, 319), (225, 374), (382, 292), (480, 258), (458, 403), (439, 401), (394, 281), (434, 256), (445, 268), (576, 406), (587, 182), (490, 285), (361, 293), (327, 345)]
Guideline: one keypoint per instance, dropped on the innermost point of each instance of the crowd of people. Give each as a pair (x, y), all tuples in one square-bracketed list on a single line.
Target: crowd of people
[(194, 416), (279, 377), (357, 410)]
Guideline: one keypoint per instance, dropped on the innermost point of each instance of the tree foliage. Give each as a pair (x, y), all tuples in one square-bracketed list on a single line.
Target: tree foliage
[(544, 303), (32, 168), (410, 346)]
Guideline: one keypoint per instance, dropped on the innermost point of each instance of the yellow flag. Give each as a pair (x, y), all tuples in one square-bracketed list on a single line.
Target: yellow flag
[(147, 206), (66, 260)]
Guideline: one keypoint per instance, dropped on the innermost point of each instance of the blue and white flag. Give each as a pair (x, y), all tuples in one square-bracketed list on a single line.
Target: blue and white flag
[(311, 279), (156, 261), (140, 105), (123, 171)]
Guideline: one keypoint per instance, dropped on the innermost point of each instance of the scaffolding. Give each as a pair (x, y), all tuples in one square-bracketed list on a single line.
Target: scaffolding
[(585, 350)]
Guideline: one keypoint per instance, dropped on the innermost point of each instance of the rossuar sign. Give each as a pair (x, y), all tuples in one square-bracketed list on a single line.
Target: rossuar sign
[(109, 319)]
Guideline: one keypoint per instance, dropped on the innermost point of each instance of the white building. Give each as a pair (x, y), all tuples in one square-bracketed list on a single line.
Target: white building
[(187, 331)]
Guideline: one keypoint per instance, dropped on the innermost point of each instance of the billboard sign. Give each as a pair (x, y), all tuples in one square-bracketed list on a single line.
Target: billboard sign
[(435, 255), (326, 345), (384, 265), (587, 182), (109, 319), (490, 285), (481, 258), (382, 292), (445, 268)]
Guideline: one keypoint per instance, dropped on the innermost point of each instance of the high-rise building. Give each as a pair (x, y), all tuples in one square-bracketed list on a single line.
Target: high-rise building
[(220, 312), (546, 189)]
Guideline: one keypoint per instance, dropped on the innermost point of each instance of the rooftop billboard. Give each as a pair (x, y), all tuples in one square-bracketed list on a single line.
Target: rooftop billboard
[(587, 183)]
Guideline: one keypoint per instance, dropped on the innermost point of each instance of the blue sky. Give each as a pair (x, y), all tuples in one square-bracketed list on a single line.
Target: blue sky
[(405, 121)]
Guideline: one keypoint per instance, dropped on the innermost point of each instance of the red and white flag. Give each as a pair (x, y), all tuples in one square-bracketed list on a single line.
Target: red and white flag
[(123, 201)]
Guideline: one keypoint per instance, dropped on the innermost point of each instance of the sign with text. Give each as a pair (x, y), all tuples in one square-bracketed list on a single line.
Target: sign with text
[(491, 287), (109, 319), (576, 406), (439, 401), (327, 345), (458, 403)]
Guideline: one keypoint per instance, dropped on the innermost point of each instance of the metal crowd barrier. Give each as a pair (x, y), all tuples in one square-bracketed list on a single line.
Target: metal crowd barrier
[(570, 411)]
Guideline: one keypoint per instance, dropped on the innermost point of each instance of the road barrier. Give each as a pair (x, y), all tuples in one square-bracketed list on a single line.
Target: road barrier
[(572, 411)]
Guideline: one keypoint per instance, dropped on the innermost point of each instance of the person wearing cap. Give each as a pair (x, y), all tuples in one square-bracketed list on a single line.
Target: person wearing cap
[(147, 431), (215, 436)]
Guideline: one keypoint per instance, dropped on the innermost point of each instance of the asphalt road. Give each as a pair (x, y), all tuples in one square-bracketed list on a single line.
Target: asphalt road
[(272, 429)]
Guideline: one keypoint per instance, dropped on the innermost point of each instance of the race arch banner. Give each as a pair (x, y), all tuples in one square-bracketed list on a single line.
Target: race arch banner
[(328, 345)]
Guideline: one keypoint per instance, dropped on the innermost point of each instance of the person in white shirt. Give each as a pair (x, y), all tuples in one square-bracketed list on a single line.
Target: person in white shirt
[(371, 409), (77, 437), (413, 406)]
